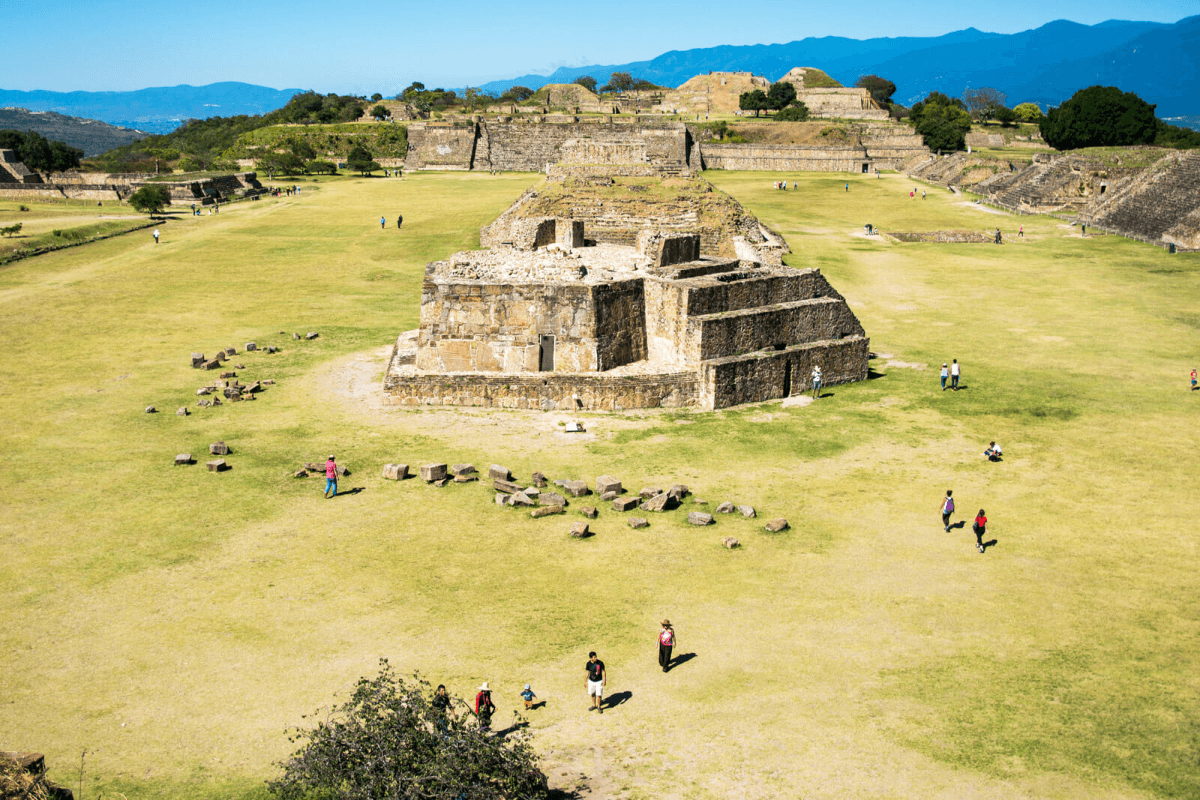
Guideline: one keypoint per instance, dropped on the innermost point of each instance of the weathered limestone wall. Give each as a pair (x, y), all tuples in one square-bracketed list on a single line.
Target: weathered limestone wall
[(666, 320), (844, 103), (756, 291), (546, 390), (746, 330), (620, 324), (440, 147), (784, 158), (764, 376)]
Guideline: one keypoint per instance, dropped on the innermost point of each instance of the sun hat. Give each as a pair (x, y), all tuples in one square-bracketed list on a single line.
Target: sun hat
[(666, 623), (484, 687), (331, 456)]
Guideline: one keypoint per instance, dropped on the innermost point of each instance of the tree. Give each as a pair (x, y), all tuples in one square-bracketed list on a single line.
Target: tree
[(39, 153), (380, 112), (754, 100), (150, 199), (587, 82), (375, 98), (517, 94), (943, 121), (797, 112), (619, 82), (881, 89), (1005, 116), (302, 149), (280, 164), (983, 102), (388, 740), (320, 167), (11, 229), (1028, 112), (1099, 116), (781, 95)]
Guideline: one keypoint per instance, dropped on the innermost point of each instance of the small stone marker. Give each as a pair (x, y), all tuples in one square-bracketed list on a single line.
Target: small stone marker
[(268, 382), (678, 491), (232, 392), (776, 525), (539, 480), (272, 349), (580, 530), (506, 486), (216, 401), (198, 360), (342, 470), (203, 390), (501, 499), (395, 472), (254, 387), (465, 478), (216, 465), (576, 488), (295, 336), (441, 483), (608, 496), (590, 512), (699, 502), (725, 508), (607, 483), (239, 366), (433, 472), (462, 469), (214, 364), (183, 458), (747, 512), (251, 347), (552, 499), (310, 336), (182, 412), (660, 502), (546, 511), (521, 499), (230, 351), (151, 410), (300, 473), (626, 503), (700, 518), (638, 522), (499, 473), (203, 403), (731, 542), (218, 449), (574, 427), (649, 491)]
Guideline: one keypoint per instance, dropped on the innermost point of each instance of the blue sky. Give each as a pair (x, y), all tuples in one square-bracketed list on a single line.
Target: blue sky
[(362, 47)]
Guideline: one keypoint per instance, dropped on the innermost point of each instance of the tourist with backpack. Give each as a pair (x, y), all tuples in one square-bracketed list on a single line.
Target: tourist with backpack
[(947, 509), (666, 643), (597, 678)]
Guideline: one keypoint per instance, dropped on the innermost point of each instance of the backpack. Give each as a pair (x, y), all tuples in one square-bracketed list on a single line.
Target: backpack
[(948, 508)]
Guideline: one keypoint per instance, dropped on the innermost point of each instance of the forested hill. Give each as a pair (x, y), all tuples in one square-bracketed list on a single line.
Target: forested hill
[(1045, 65), (89, 135)]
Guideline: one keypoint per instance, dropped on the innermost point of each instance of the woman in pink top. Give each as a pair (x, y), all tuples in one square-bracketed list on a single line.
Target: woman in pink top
[(330, 478), (666, 642)]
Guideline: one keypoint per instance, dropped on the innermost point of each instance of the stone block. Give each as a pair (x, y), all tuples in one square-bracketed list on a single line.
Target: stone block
[(183, 458), (218, 449), (699, 502), (552, 499), (182, 412), (507, 487), (233, 393), (777, 525), (546, 511), (568, 232), (678, 491), (747, 512), (254, 387), (313, 467), (590, 512), (441, 483), (699, 518), (577, 488), (272, 349), (499, 473), (342, 470), (300, 473), (395, 472), (214, 364), (230, 352), (151, 410), (240, 366), (731, 542), (522, 500), (310, 336), (295, 336), (660, 502), (607, 483), (580, 530), (216, 401), (203, 390), (539, 480), (203, 403), (609, 496), (638, 522), (462, 469), (725, 508), (433, 472), (198, 360), (465, 478), (251, 347), (626, 503), (217, 465), (663, 249), (501, 499), (649, 491)]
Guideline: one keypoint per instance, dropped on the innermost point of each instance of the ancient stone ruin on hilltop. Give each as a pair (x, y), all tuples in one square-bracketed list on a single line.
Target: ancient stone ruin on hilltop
[(615, 292)]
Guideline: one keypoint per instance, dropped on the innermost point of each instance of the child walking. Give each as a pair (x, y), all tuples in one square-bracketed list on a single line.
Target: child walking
[(947, 509), (528, 696)]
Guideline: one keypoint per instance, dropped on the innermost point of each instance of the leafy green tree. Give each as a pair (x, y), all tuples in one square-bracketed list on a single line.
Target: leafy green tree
[(942, 121), (881, 89), (1028, 112), (375, 98), (781, 95), (754, 100), (380, 112), (39, 153), (587, 82), (280, 164), (360, 160), (797, 112), (1005, 116), (11, 229), (619, 82), (321, 167), (517, 94), (389, 742), (151, 199), (1100, 116)]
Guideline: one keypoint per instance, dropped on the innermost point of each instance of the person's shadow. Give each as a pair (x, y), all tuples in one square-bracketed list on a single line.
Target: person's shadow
[(992, 543), (679, 660), (960, 525), (355, 490), (516, 726), (614, 700)]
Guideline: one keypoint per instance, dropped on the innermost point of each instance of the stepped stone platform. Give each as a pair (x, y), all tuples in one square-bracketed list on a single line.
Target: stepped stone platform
[(548, 318)]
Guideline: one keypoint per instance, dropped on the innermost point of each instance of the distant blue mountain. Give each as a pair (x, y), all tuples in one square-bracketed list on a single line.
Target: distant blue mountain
[(1046, 65), (158, 110)]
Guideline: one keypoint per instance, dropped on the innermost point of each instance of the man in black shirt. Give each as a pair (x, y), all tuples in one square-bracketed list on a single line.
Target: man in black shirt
[(596, 680)]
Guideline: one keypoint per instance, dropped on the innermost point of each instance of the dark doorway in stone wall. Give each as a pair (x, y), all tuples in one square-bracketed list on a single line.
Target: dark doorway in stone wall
[(864, 172), (787, 379), (546, 354)]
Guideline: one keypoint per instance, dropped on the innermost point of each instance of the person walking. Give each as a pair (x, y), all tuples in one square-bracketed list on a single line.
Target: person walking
[(331, 476), (816, 382), (399, 220), (484, 707), (955, 374), (597, 678), (947, 509), (1021, 232), (980, 528), (945, 374), (382, 223), (156, 235), (847, 187), (666, 643), (1193, 379)]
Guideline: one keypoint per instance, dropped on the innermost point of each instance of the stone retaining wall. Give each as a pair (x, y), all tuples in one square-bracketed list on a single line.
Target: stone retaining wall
[(765, 376), (747, 330), (547, 391), (784, 158)]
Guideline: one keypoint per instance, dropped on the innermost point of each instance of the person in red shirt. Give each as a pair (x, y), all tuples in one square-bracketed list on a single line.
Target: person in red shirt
[(980, 528), (330, 478), (666, 642), (484, 707)]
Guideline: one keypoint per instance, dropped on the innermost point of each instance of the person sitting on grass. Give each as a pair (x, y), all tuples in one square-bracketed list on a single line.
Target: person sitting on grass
[(993, 452)]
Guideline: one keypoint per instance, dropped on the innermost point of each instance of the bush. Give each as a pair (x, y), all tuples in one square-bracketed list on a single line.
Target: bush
[(793, 113), (22, 207), (1100, 116), (942, 121), (11, 230), (389, 741), (150, 199)]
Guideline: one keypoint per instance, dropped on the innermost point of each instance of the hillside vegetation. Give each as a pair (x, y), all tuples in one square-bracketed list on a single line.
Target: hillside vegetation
[(91, 136)]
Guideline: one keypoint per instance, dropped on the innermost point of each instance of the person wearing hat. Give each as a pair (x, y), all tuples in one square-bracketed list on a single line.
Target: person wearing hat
[(666, 642), (528, 696), (330, 478), (484, 707)]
